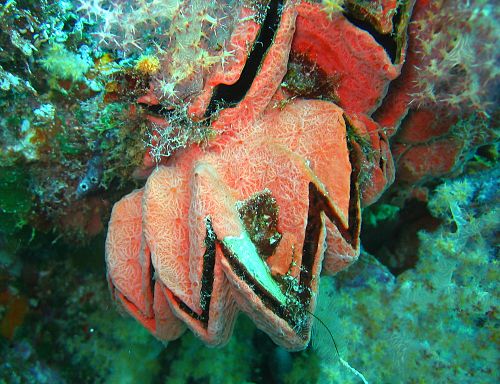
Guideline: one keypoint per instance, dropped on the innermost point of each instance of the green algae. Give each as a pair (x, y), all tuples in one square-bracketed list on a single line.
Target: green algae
[(16, 199)]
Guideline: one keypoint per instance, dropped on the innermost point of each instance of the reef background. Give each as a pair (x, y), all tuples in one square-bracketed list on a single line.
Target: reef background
[(420, 305)]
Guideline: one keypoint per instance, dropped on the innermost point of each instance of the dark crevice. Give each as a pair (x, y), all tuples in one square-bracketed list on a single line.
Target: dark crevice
[(224, 95), (386, 41), (398, 17), (395, 241), (354, 219), (311, 238), (158, 110), (152, 276), (351, 233), (188, 310), (207, 279)]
